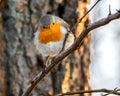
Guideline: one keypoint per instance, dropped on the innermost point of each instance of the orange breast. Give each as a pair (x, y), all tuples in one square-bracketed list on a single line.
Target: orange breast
[(52, 34)]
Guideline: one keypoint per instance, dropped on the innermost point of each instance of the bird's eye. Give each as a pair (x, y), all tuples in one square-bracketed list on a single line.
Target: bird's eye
[(53, 23), (44, 27)]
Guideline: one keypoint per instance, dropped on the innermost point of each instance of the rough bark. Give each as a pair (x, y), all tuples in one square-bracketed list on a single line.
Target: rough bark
[(84, 52), (19, 60), (2, 57), (77, 73), (65, 10)]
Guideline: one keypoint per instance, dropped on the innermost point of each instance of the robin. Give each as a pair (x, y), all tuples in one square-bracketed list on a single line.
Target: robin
[(52, 36)]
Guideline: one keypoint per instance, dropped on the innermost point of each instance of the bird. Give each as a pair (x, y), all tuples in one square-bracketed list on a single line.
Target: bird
[(52, 36)]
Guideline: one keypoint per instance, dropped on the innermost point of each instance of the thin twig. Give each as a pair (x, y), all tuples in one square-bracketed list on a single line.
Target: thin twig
[(72, 48), (112, 91), (90, 91), (109, 10), (83, 16)]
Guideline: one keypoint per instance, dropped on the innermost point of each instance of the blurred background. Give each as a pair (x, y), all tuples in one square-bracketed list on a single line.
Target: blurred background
[(105, 48), (94, 65)]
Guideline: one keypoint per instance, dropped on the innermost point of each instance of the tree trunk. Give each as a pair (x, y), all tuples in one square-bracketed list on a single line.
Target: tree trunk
[(2, 57), (77, 73), (19, 60)]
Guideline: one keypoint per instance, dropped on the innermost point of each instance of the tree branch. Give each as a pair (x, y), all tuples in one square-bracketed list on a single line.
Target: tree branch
[(66, 52), (92, 91)]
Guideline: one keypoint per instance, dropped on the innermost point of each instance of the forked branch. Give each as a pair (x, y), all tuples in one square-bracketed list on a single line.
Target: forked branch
[(115, 92), (72, 48)]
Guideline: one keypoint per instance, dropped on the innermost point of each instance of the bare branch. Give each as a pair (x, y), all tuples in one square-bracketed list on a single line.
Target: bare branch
[(72, 48), (84, 15), (115, 92), (109, 10)]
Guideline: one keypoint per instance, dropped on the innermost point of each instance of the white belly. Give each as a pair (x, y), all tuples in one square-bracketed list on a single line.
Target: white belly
[(50, 49)]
